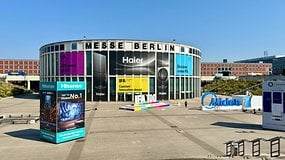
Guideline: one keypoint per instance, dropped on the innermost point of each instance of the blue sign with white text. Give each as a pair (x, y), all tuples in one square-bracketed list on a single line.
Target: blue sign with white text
[(184, 65)]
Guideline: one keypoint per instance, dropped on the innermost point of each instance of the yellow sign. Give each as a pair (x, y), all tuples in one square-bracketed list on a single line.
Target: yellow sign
[(136, 84)]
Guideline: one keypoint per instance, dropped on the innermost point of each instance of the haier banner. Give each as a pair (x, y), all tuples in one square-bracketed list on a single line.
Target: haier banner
[(184, 65), (62, 106), (132, 63), (273, 115)]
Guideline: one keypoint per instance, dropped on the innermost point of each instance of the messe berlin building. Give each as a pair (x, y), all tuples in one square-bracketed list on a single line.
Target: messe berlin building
[(117, 70)]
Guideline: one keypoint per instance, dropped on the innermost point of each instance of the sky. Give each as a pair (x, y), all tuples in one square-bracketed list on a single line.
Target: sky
[(221, 29)]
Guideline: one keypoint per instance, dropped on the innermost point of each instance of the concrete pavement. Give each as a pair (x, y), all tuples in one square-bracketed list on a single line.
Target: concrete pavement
[(169, 133)]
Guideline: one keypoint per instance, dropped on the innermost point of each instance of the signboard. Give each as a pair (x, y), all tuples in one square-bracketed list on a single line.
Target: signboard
[(273, 115), (162, 75), (100, 78), (62, 106), (72, 63), (210, 101), (129, 63), (184, 65), (134, 84)]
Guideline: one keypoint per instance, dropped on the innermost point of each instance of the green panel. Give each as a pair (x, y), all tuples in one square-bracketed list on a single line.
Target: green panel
[(89, 62)]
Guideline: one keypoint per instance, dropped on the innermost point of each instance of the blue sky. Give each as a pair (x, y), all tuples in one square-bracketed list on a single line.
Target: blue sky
[(231, 29)]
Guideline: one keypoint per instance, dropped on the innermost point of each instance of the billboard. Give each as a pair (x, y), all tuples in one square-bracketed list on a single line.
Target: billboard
[(184, 65), (162, 75), (134, 84), (71, 63), (62, 106), (129, 63), (100, 78)]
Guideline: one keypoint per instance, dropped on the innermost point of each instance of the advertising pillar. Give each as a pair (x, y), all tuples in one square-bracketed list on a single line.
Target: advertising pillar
[(273, 115), (62, 106)]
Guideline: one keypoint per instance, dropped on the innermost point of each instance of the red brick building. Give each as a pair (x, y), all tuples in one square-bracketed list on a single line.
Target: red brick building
[(30, 67), (235, 69)]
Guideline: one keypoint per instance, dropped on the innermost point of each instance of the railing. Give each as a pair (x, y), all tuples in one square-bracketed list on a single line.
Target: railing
[(237, 148)]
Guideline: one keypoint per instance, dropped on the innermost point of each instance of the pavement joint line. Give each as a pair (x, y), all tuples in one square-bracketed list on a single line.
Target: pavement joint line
[(189, 136), (76, 150)]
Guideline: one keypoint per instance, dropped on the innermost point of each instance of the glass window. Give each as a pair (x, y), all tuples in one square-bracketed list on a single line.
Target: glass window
[(88, 88), (56, 48), (151, 85), (74, 46), (48, 49), (190, 50), (68, 79), (89, 62), (81, 78), (171, 88), (74, 79), (61, 47), (52, 48), (182, 83), (177, 88), (112, 88), (182, 49), (56, 64), (171, 64)]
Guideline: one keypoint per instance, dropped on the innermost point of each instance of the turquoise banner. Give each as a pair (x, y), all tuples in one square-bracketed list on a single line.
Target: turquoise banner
[(184, 65), (47, 135), (48, 86), (70, 135), (70, 86)]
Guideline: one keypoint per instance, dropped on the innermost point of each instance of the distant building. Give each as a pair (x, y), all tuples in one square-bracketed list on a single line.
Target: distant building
[(235, 69), (19, 67), (278, 63)]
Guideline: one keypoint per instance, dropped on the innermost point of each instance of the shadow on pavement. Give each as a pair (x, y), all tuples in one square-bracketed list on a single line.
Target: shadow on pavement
[(239, 125), (28, 96), (29, 134)]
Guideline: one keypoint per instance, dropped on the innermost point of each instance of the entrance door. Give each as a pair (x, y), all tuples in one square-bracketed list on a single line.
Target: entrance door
[(129, 97)]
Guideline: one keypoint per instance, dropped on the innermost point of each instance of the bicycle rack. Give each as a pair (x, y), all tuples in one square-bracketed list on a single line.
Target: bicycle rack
[(237, 148)]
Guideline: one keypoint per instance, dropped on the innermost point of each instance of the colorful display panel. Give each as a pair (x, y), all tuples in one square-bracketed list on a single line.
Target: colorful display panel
[(184, 65), (135, 84), (62, 106), (72, 63), (129, 63)]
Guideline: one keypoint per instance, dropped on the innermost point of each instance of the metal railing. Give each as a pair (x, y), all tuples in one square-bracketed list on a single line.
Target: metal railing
[(237, 148)]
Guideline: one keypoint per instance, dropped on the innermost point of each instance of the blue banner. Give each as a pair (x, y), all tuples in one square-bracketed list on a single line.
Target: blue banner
[(184, 65)]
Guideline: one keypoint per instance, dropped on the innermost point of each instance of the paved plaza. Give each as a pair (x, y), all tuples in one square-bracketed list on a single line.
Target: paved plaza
[(168, 133)]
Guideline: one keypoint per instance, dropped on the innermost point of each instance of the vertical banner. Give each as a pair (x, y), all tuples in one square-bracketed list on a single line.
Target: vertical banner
[(71, 107), (62, 106), (72, 63), (100, 78), (162, 75), (184, 65)]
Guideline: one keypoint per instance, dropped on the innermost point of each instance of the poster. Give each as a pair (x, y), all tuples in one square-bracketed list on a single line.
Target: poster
[(129, 63), (71, 63), (133, 84), (162, 75), (184, 65)]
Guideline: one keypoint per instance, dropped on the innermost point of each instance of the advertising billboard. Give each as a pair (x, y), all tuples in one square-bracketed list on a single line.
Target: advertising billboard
[(100, 78), (71, 63), (129, 63), (62, 106), (162, 75), (184, 65), (134, 84)]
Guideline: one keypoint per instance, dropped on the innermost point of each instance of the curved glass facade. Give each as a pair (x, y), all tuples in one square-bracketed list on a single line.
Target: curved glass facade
[(117, 70)]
